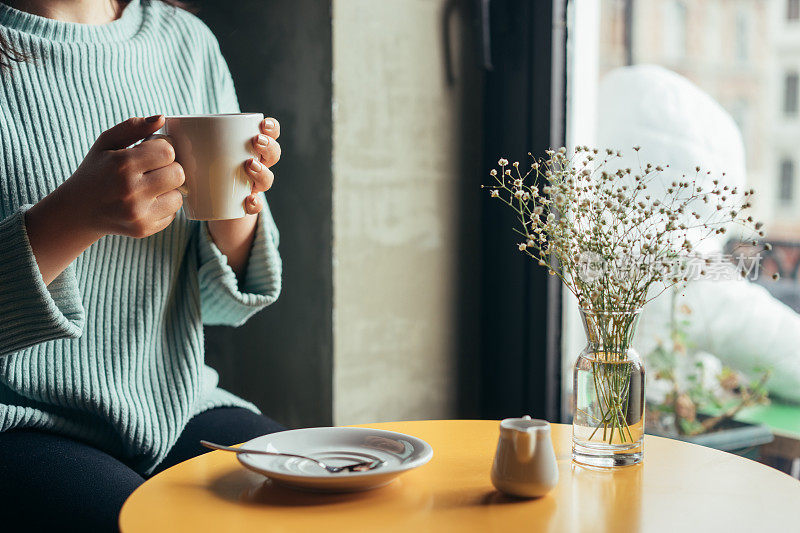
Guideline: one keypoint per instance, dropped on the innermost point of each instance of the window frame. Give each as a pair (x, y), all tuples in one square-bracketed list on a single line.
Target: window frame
[(524, 111)]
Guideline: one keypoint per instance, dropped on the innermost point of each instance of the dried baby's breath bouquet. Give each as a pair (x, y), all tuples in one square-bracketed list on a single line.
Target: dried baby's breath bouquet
[(615, 234), (617, 237)]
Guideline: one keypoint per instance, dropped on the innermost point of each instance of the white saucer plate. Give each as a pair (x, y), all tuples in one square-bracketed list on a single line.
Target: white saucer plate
[(335, 446)]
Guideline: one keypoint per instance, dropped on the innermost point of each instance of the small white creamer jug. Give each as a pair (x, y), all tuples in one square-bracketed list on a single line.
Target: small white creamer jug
[(525, 463)]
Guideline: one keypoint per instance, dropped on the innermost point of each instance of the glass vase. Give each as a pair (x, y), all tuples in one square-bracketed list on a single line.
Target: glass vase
[(608, 392)]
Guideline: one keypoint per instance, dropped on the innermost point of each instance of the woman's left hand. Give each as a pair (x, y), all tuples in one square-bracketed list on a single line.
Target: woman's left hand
[(269, 152), (234, 238)]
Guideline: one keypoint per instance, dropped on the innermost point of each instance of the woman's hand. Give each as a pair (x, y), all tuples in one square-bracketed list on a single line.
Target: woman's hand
[(269, 153), (128, 191), (115, 190), (234, 238)]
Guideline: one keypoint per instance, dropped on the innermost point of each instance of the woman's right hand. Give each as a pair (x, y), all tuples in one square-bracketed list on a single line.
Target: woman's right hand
[(128, 191), (115, 190)]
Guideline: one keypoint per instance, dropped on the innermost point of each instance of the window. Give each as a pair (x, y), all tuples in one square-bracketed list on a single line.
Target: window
[(755, 75), (791, 84), (713, 30), (674, 36), (792, 10), (740, 112), (786, 186)]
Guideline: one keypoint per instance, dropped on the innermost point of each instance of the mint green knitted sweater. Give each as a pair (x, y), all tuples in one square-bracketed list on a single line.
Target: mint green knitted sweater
[(111, 352)]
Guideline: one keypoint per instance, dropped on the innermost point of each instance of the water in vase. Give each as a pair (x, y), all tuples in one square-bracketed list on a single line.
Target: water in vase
[(608, 423)]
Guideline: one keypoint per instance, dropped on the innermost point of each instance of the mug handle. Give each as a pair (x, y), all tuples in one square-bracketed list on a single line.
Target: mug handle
[(182, 189)]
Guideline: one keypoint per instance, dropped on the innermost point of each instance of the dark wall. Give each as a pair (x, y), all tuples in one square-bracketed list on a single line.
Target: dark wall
[(279, 52)]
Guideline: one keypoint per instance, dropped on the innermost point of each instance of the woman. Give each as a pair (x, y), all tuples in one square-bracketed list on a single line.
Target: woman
[(104, 284)]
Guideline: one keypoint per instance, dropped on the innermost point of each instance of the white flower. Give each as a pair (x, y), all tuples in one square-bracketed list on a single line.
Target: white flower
[(494, 193), (502, 162), (522, 246)]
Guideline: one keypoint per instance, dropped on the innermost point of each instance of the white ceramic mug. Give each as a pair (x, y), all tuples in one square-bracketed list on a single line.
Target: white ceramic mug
[(525, 462), (213, 150)]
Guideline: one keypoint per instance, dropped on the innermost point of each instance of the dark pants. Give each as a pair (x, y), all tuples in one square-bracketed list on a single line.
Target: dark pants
[(53, 483)]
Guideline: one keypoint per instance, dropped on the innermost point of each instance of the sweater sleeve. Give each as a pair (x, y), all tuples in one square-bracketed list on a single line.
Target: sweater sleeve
[(30, 311), (224, 301)]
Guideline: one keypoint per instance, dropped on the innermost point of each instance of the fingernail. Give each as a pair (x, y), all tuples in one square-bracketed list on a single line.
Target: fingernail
[(263, 139), (152, 119), (256, 165), (269, 123)]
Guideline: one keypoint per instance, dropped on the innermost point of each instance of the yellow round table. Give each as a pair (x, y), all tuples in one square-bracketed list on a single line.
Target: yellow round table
[(678, 487)]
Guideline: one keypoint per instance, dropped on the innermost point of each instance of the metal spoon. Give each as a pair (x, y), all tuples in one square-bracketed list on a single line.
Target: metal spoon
[(357, 467)]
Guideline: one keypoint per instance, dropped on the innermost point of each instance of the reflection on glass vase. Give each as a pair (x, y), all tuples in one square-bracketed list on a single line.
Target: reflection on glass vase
[(608, 392)]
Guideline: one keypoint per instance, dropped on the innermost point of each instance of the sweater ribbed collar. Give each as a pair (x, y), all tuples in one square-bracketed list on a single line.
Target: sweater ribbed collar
[(125, 27)]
